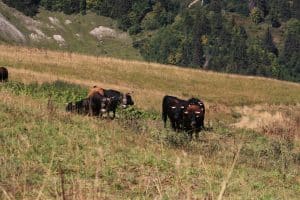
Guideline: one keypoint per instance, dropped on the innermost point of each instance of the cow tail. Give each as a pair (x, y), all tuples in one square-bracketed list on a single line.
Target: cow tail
[(164, 111)]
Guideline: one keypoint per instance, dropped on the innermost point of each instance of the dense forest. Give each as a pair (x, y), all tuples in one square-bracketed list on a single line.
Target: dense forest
[(201, 33)]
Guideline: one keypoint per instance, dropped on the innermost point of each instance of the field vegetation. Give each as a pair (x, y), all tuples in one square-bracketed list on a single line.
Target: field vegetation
[(46, 153)]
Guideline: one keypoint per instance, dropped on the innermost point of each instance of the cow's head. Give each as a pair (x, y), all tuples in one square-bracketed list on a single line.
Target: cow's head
[(127, 100), (177, 111), (194, 115)]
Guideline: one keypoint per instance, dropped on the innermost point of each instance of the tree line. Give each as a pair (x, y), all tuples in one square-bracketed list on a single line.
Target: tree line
[(202, 35)]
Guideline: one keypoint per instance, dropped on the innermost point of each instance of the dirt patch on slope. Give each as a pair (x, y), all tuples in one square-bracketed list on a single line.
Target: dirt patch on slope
[(276, 120), (255, 117)]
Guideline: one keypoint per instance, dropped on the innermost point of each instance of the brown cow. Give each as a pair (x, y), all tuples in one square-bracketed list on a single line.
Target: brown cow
[(96, 89), (193, 117)]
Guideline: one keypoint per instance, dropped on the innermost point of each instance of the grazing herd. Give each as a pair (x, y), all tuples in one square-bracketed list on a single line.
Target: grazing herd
[(101, 101), (184, 115)]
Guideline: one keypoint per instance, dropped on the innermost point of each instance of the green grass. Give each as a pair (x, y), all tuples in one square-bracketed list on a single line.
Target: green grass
[(132, 157), (59, 91)]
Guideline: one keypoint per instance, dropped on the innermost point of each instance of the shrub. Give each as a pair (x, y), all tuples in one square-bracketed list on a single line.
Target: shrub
[(257, 15)]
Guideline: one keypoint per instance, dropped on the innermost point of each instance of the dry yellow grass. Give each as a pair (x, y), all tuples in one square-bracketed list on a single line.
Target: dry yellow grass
[(149, 81)]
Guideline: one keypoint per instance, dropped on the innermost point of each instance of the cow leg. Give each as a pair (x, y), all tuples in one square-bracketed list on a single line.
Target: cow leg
[(190, 134), (114, 114), (197, 134), (90, 108), (177, 124), (173, 125)]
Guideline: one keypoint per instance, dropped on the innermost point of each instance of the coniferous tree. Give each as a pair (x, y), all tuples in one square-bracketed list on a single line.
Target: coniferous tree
[(284, 9), (83, 7), (215, 5), (201, 27), (28, 7), (269, 44), (238, 50), (47, 4), (290, 56), (296, 9), (274, 19), (262, 5)]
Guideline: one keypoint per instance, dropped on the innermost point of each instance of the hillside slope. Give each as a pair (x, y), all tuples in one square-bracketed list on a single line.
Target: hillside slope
[(47, 153), (54, 30)]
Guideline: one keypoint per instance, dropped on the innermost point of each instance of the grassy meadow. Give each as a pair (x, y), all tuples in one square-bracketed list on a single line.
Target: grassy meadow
[(46, 153)]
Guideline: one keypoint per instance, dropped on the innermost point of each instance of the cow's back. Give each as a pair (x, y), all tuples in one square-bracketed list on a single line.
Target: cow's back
[(112, 93), (96, 89)]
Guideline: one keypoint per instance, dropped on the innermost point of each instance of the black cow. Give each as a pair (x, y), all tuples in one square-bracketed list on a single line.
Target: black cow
[(3, 74), (173, 108), (116, 98), (193, 116), (95, 105), (98, 104), (80, 107)]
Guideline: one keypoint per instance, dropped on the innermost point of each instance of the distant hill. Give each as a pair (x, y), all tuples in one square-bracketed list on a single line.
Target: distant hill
[(90, 33), (251, 37)]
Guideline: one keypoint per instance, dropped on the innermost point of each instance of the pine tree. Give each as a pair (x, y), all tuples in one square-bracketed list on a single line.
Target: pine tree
[(238, 49), (284, 9), (291, 46), (216, 6), (201, 27), (83, 7), (268, 43), (28, 7), (262, 5), (296, 9), (274, 19), (47, 4)]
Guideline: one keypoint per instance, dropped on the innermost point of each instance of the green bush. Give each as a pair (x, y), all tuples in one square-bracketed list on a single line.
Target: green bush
[(257, 15), (59, 91)]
